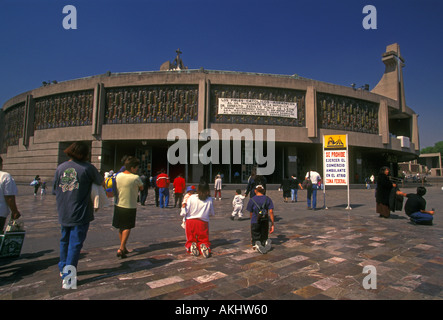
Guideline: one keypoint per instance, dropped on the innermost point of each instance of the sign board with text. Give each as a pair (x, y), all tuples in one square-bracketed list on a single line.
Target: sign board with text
[(256, 107), (335, 160)]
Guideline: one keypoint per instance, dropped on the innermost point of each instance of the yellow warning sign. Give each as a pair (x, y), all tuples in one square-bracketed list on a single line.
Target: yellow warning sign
[(337, 141)]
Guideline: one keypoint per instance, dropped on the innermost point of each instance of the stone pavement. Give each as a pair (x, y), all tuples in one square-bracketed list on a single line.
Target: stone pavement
[(316, 254)]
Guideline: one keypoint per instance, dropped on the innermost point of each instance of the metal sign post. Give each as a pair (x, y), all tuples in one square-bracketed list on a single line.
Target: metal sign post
[(347, 174), (324, 182)]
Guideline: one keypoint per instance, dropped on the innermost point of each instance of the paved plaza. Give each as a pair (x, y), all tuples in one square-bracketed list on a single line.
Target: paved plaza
[(315, 255)]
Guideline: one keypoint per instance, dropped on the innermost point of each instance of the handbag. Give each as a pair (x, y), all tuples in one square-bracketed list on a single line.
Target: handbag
[(11, 241), (98, 197), (307, 183)]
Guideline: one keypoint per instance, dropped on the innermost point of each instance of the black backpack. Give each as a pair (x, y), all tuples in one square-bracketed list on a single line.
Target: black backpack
[(262, 210)]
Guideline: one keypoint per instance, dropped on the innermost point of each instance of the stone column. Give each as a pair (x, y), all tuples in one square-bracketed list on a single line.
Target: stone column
[(415, 133), (28, 126), (311, 111), (98, 117), (2, 129), (202, 106), (98, 109), (383, 121)]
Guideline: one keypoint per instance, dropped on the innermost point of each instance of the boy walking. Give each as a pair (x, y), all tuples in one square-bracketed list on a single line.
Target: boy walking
[(261, 210), (237, 203)]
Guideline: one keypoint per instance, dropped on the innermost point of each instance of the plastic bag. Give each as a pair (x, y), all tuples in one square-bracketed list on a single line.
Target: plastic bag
[(14, 226)]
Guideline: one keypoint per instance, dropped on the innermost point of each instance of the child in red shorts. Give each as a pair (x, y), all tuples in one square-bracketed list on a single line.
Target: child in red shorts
[(198, 209)]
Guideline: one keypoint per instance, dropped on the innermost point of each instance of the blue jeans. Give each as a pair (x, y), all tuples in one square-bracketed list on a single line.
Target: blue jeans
[(294, 194), (71, 243), (164, 197), (421, 218), (143, 195), (313, 193)]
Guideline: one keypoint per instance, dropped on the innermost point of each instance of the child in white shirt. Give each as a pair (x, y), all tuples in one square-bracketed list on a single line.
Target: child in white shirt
[(189, 192), (198, 209), (237, 203)]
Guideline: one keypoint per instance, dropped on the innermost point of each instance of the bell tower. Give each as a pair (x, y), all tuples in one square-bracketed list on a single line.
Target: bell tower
[(391, 84)]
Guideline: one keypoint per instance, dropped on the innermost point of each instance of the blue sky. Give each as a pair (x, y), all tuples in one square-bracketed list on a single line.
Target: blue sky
[(322, 40)]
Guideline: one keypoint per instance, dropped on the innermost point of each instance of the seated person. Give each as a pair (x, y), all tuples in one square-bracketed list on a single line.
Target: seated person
[(415, 207)]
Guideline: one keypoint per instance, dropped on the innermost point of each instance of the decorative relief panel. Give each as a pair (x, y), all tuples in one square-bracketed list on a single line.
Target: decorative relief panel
[(13, 126), (342, 113), (70, 109), (151, 104), (258, 93)]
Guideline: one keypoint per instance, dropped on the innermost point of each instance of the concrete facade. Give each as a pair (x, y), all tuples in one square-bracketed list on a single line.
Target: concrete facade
[(132, 113)]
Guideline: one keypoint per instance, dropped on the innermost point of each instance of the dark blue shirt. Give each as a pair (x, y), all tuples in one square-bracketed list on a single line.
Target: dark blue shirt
[(72, 187), (260, 200), (414, 204)]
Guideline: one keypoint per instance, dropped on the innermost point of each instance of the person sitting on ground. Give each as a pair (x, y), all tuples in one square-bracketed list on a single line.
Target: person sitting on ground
[(415, 207)]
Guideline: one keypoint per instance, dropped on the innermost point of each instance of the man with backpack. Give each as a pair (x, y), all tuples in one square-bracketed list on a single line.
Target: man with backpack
[(261, 210)]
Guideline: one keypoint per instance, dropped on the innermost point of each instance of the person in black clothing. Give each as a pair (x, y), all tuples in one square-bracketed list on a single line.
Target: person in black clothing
[(415, 207), (156, 190), (37, 185), (254, 180), (144, 192), (384, 186), (251, 184), (286, 186)]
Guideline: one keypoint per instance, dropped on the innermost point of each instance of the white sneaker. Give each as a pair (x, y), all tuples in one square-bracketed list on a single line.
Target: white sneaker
[(194, 250), (65, 284), (268, 245), (204, 249), (259, 247)]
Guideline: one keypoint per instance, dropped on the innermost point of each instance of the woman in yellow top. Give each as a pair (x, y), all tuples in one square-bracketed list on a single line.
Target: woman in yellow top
[(128, 186)]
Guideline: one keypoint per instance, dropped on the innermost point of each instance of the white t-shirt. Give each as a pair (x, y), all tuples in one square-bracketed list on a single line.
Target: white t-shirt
[(218, 184), (198, 209), (7, 188), (315, 176)]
